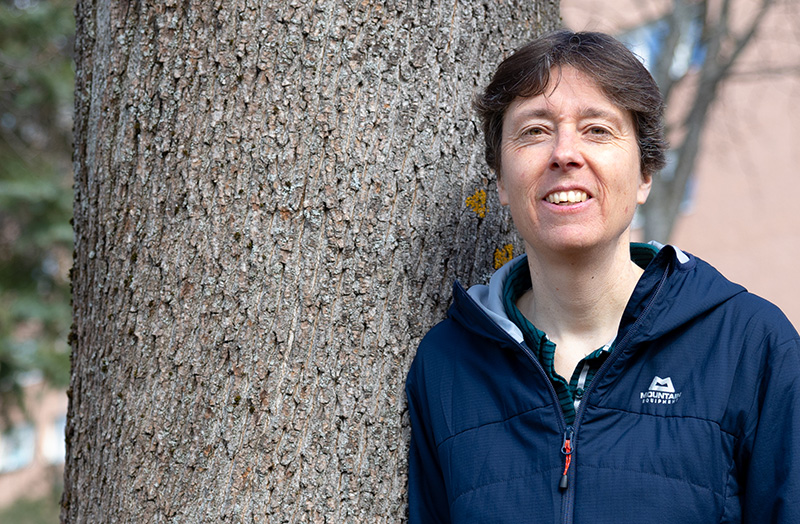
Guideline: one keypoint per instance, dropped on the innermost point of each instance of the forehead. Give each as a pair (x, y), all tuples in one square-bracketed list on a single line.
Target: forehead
[(569, 93)]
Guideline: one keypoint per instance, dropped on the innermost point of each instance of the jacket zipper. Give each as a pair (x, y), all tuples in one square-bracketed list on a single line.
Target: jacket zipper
[(568, 443), (570, 492)]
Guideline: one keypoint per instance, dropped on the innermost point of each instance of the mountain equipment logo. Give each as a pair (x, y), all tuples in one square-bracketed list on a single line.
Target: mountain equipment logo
[(661, 391)]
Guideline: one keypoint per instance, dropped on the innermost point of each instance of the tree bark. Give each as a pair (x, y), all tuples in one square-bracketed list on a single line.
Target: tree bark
[(272, 199)]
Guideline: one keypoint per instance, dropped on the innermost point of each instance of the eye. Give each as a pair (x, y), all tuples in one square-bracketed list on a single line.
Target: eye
[(598, 131), (533, 131)]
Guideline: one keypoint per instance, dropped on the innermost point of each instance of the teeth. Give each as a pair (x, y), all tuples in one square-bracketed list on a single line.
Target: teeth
[(563, 197)]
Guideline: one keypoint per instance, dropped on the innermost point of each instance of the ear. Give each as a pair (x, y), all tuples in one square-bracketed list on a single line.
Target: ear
[(501, 189), (645, 183)]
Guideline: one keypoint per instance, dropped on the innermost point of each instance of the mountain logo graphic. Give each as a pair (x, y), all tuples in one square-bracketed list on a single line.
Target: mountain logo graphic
[(662, 384), (661, 391)]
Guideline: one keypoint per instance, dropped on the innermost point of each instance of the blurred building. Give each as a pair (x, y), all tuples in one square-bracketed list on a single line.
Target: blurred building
[(738, 213)]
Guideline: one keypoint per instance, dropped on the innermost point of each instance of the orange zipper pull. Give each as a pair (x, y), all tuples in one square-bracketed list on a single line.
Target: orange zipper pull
[(566, 449)]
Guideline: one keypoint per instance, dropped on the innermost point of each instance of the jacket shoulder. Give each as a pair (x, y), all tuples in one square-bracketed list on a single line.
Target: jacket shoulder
[(440, 349), (761, 318)]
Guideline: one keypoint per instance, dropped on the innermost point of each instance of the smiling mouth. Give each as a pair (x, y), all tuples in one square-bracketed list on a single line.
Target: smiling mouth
[(566, 197)]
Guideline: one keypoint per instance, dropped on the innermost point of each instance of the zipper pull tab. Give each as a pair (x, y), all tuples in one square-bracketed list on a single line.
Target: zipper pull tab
[(566, 449)]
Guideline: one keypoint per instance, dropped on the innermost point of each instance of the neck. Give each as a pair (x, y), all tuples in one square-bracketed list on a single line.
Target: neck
[(578, 300)]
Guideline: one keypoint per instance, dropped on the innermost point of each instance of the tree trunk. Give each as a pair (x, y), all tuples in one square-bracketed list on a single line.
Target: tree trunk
[(272, 201)]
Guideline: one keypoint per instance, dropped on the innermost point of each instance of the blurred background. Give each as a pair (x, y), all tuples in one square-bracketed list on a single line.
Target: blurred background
[(729, 70), (36, 82)]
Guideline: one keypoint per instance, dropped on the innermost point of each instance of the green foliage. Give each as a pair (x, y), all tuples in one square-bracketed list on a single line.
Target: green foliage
[(45, 510), (36, 83)]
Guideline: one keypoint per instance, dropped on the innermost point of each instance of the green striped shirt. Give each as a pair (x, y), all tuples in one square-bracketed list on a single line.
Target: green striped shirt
[(570, 393)]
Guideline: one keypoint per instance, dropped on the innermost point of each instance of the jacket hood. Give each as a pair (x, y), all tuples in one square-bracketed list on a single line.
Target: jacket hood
[(653, 309)]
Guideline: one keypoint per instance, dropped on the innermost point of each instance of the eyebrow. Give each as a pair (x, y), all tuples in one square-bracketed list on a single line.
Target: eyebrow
[(535, 113), (593, 112)]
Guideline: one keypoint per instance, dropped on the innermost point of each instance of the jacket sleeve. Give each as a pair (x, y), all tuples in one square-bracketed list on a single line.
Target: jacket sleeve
[(772, 475), (427, 497)]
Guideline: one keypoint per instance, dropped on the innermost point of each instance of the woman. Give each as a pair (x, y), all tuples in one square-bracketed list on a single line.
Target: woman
[(595, 380)]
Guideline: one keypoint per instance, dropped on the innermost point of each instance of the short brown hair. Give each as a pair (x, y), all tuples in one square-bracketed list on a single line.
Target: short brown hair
[(615, 69)]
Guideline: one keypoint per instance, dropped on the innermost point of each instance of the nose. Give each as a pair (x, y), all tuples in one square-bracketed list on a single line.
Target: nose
[(566, 151)]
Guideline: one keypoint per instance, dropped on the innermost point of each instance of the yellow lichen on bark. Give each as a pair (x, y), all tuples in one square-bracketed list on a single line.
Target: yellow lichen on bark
[(503, 255), (477, 202)]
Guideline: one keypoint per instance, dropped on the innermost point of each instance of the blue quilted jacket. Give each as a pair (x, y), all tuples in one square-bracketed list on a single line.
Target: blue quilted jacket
[(694, 418)]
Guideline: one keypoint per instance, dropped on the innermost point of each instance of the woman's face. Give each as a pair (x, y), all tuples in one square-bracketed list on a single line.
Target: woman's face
[(570, 168)]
